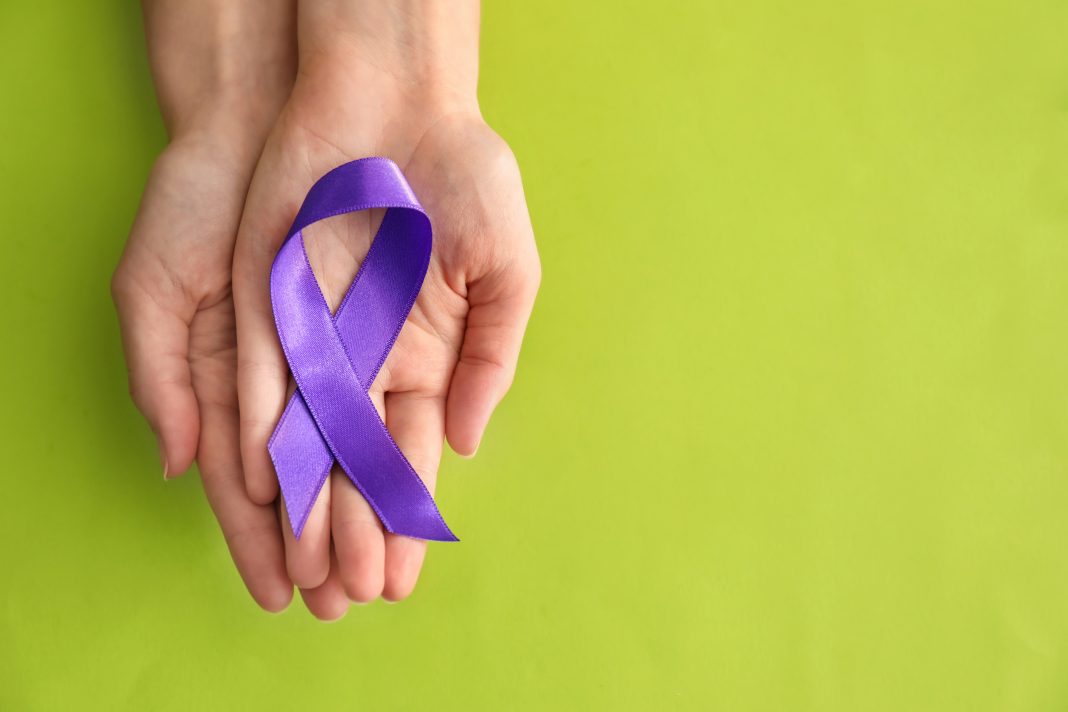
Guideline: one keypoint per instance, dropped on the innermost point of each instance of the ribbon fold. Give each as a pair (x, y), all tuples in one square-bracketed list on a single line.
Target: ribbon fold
[(334, 358)]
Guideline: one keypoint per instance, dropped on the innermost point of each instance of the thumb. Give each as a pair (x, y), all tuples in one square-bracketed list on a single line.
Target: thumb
[(155, 335), (500, 307)]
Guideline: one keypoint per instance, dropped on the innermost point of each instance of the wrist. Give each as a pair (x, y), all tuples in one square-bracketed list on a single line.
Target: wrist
[(415, 56), (224, 125), (221, 67)]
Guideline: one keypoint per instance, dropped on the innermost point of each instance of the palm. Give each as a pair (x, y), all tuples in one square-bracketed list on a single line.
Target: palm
[(189, 223), (173, 289), (173, 292), (459, 330)]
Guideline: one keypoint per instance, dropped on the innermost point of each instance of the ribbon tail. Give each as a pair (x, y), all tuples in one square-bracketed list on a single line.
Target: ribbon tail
[(301, 460)]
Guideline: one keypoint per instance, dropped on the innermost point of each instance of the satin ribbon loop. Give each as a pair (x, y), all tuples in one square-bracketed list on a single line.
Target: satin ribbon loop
[(334, 358)]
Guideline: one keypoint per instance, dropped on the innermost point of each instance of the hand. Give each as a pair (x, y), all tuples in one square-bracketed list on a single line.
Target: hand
[(172, 286), (457, 353)]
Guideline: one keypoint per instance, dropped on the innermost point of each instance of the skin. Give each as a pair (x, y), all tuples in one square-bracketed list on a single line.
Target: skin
[(219, 98), (374, 78)]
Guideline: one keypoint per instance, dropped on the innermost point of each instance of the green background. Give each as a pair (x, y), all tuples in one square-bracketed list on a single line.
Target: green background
[(789, 431)]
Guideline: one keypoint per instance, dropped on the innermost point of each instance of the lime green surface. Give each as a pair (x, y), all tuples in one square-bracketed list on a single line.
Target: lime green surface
[(791, 427)]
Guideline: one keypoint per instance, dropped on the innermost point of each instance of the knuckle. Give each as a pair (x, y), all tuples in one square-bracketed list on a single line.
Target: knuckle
[(354, 526), (257, 372), (503, 373), (120, 284)]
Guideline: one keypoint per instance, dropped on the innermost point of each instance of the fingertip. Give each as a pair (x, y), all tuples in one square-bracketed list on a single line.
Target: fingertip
[(258, 555), (269, 587), (397, 591), (361, 554), (363, 589), (463, 429), (155, 333), (463, 435), (404, 561), (328, 609), (475, 393), (307, 577), (359, 546), (175, 467), (261, 491), (463, 446), (308, 558), (254, 539), (275, 600), (327, 602), (333, 612), (178, 433)]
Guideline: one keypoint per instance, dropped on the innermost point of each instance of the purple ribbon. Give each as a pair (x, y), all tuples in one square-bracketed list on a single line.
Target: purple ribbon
[(334, 358)]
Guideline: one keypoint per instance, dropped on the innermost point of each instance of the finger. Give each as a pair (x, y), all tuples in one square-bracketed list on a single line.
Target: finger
[(262, 374), (500, 309), (308, 558), (327, 602), (252, 531), (357, 540), (155, 335), (417, 424)]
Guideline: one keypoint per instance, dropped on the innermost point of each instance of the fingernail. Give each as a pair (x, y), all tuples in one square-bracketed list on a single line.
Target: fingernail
[(163, 461)]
